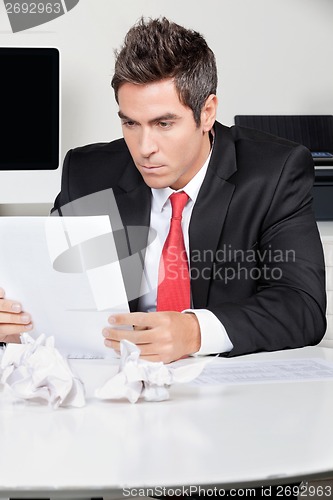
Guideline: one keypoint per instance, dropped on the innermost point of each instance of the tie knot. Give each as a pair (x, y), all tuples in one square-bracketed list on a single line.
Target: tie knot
[(178, 202)]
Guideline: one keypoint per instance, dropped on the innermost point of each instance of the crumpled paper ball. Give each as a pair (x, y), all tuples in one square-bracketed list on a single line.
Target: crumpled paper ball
[(35, 370), (147, 379)]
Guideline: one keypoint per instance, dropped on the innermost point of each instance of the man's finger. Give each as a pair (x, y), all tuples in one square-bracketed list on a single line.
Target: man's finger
[(147, 351), (11, 329), (114, 344), (135, 336), (12, 318), (139, 319), (132, 319), (10, 306)]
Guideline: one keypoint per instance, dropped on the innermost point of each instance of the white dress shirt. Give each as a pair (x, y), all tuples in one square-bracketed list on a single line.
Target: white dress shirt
[(214, 338)]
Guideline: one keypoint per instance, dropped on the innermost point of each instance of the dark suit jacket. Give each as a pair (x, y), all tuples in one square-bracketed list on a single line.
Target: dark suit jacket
[(256, 256)]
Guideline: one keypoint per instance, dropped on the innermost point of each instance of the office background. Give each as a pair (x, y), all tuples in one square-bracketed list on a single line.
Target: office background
[(273, 56)]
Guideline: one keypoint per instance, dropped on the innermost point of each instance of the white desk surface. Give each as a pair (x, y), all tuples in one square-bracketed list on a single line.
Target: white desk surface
[(225, 435)]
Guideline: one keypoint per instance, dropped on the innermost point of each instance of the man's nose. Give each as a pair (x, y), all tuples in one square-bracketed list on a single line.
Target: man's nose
[(148, 144)]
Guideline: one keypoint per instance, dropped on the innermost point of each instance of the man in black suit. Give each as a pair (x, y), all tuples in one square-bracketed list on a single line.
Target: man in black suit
[(256, 262)]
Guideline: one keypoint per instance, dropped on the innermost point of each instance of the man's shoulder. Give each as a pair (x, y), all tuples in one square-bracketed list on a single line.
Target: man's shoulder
[(260, 138), (254, 152), (265, 149), (100, 149), (93, 168)]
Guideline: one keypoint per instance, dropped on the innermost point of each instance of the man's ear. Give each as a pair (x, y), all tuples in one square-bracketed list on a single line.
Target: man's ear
[(208, 113)]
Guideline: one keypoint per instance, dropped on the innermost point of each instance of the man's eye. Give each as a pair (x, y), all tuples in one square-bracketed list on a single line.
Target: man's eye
[(165, 124), (129, 124)]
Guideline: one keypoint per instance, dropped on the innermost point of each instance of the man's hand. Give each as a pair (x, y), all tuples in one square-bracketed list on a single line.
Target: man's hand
[(13, 321), (161, 336)]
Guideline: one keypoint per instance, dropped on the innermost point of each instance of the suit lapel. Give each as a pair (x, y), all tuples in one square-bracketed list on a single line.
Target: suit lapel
[(133, 199), (134, 203), (209, 213)]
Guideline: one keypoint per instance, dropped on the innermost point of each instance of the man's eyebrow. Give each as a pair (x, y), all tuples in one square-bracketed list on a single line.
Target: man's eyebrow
[(167, 116), (123, 117)]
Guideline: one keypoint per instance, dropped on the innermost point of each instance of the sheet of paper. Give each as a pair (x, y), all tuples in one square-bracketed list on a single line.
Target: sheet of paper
[(249, 372), (65, 272)]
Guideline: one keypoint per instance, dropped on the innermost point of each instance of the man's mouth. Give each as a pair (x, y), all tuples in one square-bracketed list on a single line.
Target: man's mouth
[(150, 168)]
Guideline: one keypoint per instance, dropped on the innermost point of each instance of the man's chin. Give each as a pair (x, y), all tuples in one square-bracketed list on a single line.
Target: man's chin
[(156, 183)]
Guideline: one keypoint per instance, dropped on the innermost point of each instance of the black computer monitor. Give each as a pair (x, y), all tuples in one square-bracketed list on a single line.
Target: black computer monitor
[(29, 90)]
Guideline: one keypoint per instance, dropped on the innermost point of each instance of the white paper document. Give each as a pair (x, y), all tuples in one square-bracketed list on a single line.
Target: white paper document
[(65, 272), (249, 372)]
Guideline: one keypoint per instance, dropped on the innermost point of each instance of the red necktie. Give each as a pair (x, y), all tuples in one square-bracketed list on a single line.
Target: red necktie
[(173, 293)]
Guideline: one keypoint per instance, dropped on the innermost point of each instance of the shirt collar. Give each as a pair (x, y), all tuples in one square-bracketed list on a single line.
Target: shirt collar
[(192, 188)]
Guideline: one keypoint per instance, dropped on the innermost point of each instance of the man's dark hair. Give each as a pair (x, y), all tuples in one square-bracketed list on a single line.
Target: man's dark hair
[(157, 49)]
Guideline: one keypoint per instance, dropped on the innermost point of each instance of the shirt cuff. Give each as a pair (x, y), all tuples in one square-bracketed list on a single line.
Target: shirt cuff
[(214, 337)]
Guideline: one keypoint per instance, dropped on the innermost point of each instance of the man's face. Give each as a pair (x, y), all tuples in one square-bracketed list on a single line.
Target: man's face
[(160, 132)]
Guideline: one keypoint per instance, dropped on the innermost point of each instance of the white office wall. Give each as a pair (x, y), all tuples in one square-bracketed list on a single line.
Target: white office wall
[(274, 57)]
